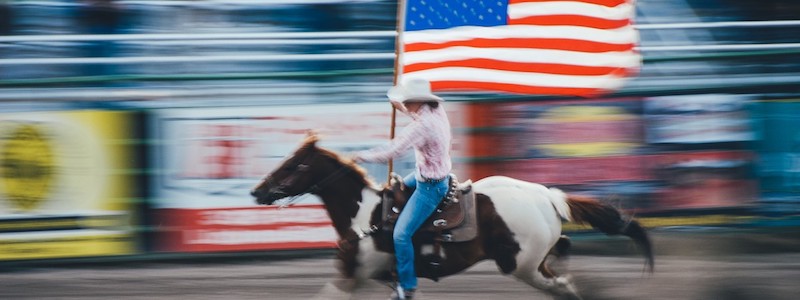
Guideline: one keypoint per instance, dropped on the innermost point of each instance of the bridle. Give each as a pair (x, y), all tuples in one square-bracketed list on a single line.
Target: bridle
[(303, 167)]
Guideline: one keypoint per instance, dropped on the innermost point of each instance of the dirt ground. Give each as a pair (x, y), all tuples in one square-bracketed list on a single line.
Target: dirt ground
[(732, 265)]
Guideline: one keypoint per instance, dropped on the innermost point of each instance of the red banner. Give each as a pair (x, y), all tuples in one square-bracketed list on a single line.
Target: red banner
[(247, 228)]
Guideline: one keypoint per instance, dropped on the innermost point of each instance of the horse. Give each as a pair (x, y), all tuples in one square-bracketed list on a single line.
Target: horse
[(519, 223)]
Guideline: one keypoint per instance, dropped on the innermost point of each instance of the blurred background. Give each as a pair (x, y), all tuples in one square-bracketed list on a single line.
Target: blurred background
[(137, 128)]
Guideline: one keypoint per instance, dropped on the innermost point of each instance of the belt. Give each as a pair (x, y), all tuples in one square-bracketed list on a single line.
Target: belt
[(433, 180)]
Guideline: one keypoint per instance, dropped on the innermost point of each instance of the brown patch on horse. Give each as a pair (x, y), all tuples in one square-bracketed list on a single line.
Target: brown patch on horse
[(499, 242), (609, 220), (494, 241)]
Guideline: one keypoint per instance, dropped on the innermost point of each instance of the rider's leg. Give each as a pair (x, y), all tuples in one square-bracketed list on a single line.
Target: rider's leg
[(422, 203), (410, 181)]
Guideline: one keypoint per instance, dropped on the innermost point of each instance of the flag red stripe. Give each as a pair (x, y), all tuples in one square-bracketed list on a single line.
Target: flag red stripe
[(514, 88), (570, 20), (493, 64), (532, 43), (608, 3)]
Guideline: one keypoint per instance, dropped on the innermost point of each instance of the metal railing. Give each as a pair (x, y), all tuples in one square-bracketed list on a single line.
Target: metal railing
[(344, 37), (339, 34), (691, 53)]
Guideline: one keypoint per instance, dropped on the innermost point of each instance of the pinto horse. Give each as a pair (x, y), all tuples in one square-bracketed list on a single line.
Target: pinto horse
[(519, 223)]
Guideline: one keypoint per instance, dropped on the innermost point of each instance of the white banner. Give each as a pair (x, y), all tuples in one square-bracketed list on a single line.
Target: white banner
[(212, 157)]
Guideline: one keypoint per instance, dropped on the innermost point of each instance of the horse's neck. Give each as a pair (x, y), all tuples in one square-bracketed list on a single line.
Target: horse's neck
[(350, 208)]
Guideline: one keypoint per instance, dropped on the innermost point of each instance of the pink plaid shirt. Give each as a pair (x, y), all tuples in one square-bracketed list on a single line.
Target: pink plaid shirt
[(429, 135)]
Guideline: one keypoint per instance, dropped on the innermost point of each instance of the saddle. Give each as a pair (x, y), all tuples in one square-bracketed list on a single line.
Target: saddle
[(454, 220)]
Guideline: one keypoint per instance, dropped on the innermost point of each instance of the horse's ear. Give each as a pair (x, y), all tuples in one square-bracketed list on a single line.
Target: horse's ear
[(311, 138), (311, 132)]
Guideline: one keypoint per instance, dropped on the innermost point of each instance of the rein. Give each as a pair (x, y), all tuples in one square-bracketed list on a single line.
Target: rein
[(317, 186), (346, 243), (327, 180)]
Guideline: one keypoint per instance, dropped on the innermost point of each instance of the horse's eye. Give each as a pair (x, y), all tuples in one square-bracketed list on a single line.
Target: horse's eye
[(302, 167)]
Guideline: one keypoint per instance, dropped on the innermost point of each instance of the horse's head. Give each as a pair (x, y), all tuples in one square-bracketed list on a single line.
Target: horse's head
[(307, 170), (295, 176)]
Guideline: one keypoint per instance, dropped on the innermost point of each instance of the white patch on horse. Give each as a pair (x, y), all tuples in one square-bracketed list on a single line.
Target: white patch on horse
[(429, 249), (370, 260), (426, 249), (529, 210)]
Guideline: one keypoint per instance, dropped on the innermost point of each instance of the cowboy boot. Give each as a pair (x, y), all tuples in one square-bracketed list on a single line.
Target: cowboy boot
[(402, 294)]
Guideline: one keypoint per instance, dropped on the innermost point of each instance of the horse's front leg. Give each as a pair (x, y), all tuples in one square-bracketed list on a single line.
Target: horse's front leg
[(346, 282), (358, 266), (340, 288)]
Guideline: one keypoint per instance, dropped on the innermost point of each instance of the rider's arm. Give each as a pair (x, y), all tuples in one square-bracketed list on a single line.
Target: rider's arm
[(412, 135)]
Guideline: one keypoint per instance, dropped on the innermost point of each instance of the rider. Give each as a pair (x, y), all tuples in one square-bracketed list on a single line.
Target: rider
[(429, 134)]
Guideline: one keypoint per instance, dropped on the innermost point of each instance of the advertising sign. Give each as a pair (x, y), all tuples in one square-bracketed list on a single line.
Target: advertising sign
[(65, 184), (614, 149), (569, 129), (778, 149), (698, 119), (705, 179), (208, 159)]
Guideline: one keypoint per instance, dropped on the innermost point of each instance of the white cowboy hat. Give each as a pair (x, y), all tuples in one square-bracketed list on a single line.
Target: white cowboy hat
[(415, 89)]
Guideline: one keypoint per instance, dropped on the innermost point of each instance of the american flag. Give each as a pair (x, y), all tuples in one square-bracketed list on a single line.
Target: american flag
[(553, 47)]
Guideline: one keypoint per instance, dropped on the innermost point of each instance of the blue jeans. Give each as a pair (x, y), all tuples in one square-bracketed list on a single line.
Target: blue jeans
[(423, 202)]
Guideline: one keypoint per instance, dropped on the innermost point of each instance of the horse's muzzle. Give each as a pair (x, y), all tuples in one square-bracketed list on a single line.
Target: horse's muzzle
[(269, 197)]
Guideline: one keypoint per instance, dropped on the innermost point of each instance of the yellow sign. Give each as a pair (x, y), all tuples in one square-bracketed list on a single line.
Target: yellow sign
[(586, 131), (652, 222), (66, 246), (27, 172), (65, 184), (587, 149)]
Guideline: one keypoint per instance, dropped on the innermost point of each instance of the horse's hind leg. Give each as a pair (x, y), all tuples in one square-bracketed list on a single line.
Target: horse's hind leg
[(561, 247), (557, 254), (544, 278)]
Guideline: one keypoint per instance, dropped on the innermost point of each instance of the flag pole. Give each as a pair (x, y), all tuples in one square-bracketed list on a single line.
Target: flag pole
[(398, 69)]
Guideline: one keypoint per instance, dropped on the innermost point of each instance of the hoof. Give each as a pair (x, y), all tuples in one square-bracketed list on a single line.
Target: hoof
[(566, 290), (333, 291)]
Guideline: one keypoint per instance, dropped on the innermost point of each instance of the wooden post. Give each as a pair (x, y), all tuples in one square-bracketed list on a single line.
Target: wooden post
[(398, 69)]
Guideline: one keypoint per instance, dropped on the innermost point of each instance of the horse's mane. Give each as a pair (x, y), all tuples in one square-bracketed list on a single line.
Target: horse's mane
[(311, 143)]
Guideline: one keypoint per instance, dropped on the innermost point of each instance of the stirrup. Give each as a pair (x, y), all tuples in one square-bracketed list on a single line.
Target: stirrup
[(401, 294)]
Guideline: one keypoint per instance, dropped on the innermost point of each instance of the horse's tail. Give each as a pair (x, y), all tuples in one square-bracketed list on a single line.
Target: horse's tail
[(603, 217)]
